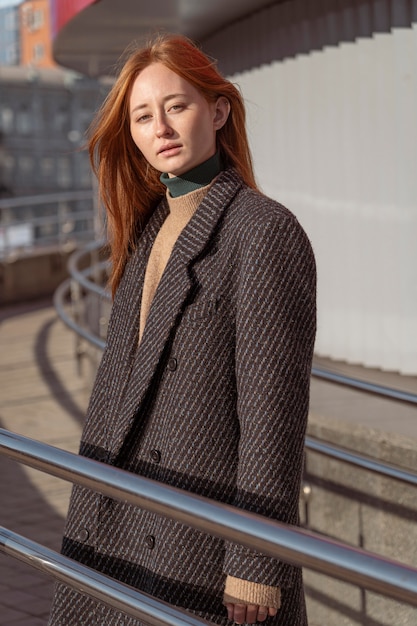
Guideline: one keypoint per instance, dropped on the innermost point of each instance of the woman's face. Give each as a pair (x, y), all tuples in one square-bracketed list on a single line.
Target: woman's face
[(171, 123)]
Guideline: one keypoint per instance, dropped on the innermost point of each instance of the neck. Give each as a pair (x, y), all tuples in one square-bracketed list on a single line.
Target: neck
[(196, 178)]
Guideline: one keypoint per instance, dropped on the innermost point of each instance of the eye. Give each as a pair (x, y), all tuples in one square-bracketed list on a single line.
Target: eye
[(176, 107), (140, 119)]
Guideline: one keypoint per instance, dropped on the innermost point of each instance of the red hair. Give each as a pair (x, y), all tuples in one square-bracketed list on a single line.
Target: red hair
[(129, 186)]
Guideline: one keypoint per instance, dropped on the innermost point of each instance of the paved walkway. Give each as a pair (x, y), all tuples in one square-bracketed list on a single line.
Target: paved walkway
[(41, 397)]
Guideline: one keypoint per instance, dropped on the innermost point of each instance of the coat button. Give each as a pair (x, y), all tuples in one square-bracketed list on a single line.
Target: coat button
[(172, 364), (156, 456), (150, 541), (101, 454), (83, 535)]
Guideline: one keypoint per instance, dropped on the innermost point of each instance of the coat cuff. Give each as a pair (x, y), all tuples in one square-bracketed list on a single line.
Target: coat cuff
[(238, 591)]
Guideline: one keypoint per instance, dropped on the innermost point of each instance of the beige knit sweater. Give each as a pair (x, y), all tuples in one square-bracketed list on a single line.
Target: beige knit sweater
[(181, 210)]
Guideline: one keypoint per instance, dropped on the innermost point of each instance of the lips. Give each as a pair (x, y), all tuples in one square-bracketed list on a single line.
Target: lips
[(169, 147)]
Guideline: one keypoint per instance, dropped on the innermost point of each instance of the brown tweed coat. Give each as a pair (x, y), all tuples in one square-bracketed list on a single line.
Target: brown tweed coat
[(214, 401)]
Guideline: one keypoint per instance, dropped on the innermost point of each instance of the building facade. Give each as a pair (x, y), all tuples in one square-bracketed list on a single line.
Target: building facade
[(44, 115), (35, 33), (9, 36)]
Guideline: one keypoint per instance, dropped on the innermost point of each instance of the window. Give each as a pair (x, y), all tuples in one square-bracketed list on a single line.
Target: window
[(11, 54), (26, 164), (9, 165), (10, 21), (6, 120), (23, 121), (47, 168), (60, 119), (32, 18), (38, 19), (63, 172), (38, 52), (84, 170)]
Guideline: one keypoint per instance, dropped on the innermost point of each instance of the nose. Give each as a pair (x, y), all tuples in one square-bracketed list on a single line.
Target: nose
[(162, 129)]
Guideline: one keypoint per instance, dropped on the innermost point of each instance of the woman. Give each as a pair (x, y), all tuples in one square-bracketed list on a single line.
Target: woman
[(204, 383)]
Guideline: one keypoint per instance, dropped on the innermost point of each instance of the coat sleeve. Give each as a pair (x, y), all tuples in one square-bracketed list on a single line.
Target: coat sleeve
[(275, 331)]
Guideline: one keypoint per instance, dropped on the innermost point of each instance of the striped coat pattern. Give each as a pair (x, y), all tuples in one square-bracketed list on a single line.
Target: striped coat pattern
[(214, 400)]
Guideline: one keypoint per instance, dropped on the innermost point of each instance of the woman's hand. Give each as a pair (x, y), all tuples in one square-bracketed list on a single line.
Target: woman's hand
[(248, 613)]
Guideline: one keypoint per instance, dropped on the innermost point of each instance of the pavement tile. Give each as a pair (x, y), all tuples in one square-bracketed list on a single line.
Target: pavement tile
[(8, 616), (17, 598), (43, 590), (43, 398)]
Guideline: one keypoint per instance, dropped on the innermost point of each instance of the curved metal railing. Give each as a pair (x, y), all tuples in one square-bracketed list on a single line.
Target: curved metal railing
[(49, 219), (81, 276), (89, 280), (288, 543)]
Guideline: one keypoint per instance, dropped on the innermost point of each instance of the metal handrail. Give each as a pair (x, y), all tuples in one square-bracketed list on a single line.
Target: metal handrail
[(288, 543), (81, 276), (68, 226), (45, 198), (52, 219), (59, 296), (358, 460), (98, 586), (362, 385)]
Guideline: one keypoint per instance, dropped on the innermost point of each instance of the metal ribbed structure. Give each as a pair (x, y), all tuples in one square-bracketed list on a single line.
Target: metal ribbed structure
[(331, 90)]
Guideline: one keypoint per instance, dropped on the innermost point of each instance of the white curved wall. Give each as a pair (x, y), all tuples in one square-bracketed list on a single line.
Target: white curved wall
[(334, 137)]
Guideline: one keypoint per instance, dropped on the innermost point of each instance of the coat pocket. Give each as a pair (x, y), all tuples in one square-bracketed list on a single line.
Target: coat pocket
[(201, 310)]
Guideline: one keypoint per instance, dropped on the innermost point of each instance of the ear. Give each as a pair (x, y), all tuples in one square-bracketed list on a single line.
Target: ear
[(221, 112)]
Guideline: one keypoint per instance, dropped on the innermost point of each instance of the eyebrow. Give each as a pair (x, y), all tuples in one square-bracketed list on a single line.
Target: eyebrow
[(139, 107)]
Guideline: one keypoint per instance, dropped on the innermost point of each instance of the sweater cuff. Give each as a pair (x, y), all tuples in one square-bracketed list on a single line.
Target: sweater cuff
[(238, 591)]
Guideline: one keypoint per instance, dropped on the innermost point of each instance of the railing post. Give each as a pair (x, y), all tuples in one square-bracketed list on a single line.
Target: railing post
[(75, 303)]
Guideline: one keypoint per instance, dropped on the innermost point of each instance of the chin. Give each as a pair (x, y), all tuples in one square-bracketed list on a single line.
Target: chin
[(179, 171)]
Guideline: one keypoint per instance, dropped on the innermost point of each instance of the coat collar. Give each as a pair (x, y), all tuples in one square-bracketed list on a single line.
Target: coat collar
[(137, 366)]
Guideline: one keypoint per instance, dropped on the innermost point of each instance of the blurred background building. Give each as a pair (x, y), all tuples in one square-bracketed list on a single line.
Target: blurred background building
[(35, 33), (9, 35), (44, 114), (45, 110)]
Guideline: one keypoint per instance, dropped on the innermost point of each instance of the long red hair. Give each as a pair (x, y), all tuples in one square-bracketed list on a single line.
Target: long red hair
[(129, 186)]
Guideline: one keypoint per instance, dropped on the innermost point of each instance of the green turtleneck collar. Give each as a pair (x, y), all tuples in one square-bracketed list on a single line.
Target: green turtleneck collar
[(196, 178)]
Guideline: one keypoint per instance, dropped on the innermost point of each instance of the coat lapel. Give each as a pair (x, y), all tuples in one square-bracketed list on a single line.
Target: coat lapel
[(173, 291), (123, 331)]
